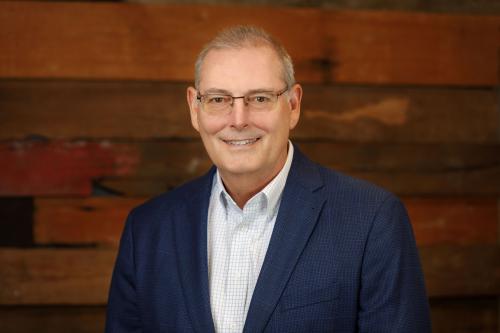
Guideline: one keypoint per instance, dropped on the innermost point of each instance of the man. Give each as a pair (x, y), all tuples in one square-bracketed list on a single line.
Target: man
[(266, 241)]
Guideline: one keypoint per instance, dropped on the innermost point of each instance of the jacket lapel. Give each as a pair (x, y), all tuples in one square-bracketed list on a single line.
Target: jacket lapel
[(298, 213), (191, 245)]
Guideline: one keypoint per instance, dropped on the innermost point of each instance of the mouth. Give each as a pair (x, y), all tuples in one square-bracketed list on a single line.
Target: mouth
[(244, 142)]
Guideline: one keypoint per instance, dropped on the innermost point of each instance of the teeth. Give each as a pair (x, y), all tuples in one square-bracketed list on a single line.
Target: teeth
[(240, 142)]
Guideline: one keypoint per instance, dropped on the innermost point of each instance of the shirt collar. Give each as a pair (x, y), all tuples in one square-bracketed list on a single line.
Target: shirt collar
[(272, 192)]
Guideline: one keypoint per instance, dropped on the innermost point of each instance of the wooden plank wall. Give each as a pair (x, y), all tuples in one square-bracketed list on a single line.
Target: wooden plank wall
[(93, 121)]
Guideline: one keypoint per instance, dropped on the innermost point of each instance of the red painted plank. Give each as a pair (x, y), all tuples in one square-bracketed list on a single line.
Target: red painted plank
[(39, 168)]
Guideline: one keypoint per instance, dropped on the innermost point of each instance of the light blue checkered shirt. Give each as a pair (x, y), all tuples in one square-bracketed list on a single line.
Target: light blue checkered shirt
[(237, 244)]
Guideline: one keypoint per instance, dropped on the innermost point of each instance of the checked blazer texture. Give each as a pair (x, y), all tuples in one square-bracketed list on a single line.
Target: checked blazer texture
[(342, 258)]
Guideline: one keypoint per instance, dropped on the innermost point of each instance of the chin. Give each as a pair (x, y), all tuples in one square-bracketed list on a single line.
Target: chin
[(237, 169)]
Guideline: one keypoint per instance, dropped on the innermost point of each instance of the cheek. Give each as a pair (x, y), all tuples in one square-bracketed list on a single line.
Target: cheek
[(211, 125), (274, 124)]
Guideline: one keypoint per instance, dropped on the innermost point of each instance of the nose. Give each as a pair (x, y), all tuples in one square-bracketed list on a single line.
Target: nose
[(239, 114)]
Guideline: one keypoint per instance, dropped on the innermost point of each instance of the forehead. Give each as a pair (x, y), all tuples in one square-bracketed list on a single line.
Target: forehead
[(240, 70)]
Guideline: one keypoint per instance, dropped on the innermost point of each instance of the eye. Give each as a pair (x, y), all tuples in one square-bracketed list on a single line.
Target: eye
[(259, 99), (217, 99)]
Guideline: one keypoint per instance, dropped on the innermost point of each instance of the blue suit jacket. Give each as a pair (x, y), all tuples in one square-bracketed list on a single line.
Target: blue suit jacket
[(342, 258)]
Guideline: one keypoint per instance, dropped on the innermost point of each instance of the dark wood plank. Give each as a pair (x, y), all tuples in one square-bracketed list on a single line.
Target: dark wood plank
[(397, 114), (100, 220), (117, 41), (81, 276), (461, 271), (149, 168), (465, 315), (485, 7), (404, 169), (55, 276), (52, 319), (16, 222), (144, 109), (159, 110), (41, 168)]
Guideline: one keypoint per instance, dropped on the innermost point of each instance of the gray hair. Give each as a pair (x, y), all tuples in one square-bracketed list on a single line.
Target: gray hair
[(242, 36)]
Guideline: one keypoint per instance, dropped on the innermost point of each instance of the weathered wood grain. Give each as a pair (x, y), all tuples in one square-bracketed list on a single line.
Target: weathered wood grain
[(454, 221), (142, 110), (457, 315), (465, 315), (149, 168), (404, 169), (100, 220), (55, 276), (131, 41), (465, 271), (52, 319), (41, 168), (485, 7), (81, 276)]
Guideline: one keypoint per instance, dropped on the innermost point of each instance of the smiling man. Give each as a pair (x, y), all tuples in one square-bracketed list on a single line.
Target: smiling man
[(266, 241)]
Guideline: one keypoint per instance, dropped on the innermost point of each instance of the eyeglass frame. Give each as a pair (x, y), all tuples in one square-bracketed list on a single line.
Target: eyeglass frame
[(278, 93)]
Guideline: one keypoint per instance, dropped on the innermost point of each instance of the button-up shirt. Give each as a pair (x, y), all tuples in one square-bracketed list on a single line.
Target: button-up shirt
[(237, 244)]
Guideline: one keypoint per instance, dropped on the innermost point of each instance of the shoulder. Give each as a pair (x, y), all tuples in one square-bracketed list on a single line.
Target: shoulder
[(334, 184), (348, 187), (175, 200)]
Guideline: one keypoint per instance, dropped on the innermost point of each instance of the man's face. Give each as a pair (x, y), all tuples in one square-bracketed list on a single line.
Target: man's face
[(245, 142)]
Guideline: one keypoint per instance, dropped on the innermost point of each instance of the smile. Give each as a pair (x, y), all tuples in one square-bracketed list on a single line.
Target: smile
[(241, 142)]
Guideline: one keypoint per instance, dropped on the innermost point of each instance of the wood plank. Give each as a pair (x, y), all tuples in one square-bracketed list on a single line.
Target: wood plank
[(405, 169), (454, 221), (149, 168), (465, 315), (486, 7), (159, 110), (81, 276), (52, 319), (16, 222), (41, 168), (462, 315), (461, 271), (130, 41), (55, 276), (99, 220)]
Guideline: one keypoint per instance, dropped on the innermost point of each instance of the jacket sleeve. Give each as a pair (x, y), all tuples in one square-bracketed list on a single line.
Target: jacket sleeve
[(392, 296), (122, 310)]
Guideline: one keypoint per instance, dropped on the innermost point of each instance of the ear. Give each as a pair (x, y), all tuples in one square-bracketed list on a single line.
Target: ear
[(295, 97), (194, 106)]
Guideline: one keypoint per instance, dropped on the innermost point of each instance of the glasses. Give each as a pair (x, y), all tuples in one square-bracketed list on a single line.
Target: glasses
[(220, 104)]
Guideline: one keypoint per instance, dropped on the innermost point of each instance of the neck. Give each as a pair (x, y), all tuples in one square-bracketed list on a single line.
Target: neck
[(243, 188)]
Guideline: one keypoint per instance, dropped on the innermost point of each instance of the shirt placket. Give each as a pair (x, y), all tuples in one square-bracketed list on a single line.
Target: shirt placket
[(237, 274)]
